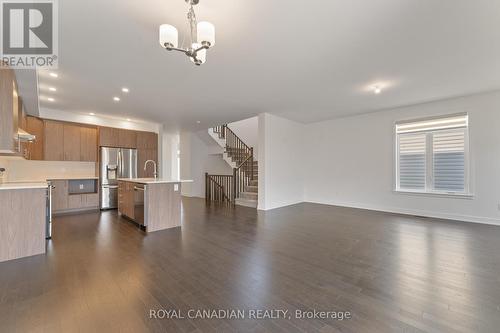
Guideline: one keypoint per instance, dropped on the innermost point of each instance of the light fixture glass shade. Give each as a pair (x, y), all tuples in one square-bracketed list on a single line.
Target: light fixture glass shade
[(200, 55), (206, 33), (169, 35)]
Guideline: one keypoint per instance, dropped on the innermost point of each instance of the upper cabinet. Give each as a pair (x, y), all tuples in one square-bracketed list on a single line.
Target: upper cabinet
[(147, 140), (72, 140), (54, 141), (117, 137), (127, 138), (9, 112), (108, 136), (69, 142), (35, 149), (88, 144), (59, 140)]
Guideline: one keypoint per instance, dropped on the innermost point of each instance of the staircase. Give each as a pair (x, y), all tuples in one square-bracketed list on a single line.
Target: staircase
[(249, 197), (240, 188)]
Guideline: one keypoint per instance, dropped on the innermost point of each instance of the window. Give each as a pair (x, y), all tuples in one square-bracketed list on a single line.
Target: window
[(432, 155)]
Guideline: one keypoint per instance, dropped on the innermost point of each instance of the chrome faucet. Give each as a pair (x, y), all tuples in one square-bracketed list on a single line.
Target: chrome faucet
[(154, 164)]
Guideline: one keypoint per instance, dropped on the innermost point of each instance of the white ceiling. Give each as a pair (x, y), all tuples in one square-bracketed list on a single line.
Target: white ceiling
[(305, 60)]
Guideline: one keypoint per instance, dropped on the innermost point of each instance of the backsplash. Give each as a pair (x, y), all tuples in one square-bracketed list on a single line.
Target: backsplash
[(18, 169)]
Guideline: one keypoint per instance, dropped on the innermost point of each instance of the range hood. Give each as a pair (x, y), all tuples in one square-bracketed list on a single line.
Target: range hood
[(25, 136)]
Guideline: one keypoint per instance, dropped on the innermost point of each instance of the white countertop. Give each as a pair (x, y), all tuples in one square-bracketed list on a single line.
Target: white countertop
[(73, 178), (22, 185), (155, 181)]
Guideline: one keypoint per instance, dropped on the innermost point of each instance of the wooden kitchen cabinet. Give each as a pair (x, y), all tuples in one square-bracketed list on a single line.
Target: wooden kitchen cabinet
[(82, 201), (126, 198), (75, 201), (147, 149), (59, 195), (88, 144), (108, 136), (142, 156), (35, 149), (91, 200), (63, 200), (69, 142), (72, 142), (53, 141), (22, 124), (127, 138), (8, 111), (147, 140)]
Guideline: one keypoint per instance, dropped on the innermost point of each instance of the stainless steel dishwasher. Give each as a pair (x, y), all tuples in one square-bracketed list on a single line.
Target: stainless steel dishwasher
[(139, 199)]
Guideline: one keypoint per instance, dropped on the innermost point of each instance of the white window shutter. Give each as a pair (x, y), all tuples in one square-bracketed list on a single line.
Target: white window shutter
[(411, 160), (449, 160)]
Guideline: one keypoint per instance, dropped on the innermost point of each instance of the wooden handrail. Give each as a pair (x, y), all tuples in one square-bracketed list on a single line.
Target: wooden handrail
[(242, 155), (246, 159), (218, 187), (237, 137)]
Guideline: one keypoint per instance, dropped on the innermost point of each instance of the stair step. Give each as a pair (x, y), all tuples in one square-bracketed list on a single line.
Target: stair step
[(249, 195), (246, 202), (250, 188)]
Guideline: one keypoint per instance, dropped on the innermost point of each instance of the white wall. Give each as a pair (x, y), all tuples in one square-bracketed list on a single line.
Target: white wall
[(352, 161), (248, 131), (168, 146), (281, 162), (199, 154)]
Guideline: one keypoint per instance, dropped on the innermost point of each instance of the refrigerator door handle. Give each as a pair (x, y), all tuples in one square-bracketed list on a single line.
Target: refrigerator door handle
[(119, 163)]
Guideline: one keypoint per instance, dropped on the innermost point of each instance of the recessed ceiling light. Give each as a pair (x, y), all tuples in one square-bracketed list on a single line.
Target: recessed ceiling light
[(116, 99), (52, 89), (92, 113), (128, 119), (377, 89), (53, 74), (125, 90), (198, 122), (50, 99)]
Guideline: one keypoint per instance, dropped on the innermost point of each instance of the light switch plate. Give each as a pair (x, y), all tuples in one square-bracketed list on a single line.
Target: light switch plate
[(176, 187)]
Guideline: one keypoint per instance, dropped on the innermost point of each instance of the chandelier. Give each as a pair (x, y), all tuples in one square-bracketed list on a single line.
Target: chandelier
[(202, 37)]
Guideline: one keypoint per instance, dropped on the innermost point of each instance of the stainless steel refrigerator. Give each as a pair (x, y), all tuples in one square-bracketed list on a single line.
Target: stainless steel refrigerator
[(115, 163)]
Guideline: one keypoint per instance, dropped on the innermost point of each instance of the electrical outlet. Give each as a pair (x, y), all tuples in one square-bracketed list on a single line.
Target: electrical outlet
[(81, 186), (176, 188)]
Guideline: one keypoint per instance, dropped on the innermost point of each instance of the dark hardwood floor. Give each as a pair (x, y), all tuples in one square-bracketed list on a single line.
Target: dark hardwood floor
[(393, 273)]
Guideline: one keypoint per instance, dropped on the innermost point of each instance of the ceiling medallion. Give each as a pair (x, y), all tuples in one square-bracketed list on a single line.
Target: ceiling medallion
[(202, 37)]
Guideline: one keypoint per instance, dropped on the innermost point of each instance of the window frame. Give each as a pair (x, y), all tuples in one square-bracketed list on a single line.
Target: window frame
[(429, 160)]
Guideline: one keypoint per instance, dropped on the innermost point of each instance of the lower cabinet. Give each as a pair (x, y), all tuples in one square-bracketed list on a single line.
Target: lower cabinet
[(81, 201), (59, 195), (64, 201), (126, 199)]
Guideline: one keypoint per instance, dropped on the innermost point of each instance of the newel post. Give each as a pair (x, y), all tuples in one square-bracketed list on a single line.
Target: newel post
[(206, 187), (233, 194)]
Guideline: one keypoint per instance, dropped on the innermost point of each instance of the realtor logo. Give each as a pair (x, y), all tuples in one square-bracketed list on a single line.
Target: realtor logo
[(29, 33)]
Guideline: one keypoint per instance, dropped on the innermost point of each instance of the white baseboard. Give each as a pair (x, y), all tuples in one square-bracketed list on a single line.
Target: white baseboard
[(404, 211), (279, 205)]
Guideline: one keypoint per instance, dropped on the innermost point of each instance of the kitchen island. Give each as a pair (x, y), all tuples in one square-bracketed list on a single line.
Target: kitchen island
[(154, 204), (22, 219)]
